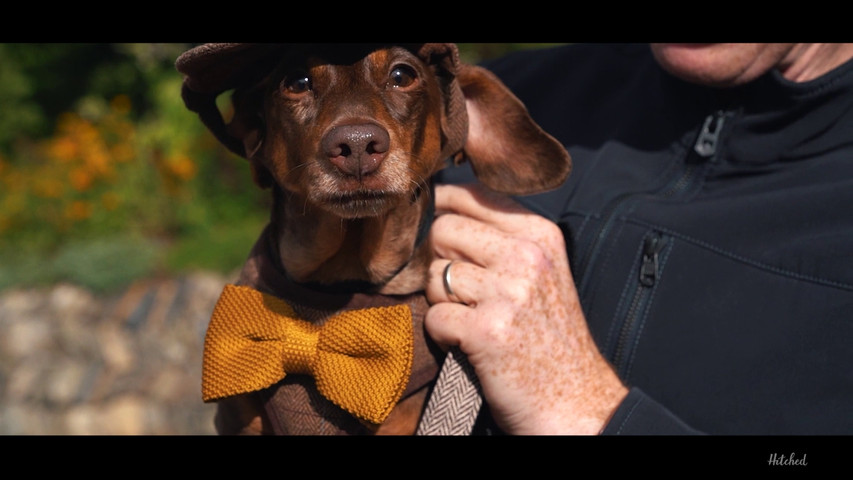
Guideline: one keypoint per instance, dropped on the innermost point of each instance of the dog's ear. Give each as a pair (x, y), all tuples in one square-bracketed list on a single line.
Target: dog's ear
[(508, 151), (444, 59), (247, 125)]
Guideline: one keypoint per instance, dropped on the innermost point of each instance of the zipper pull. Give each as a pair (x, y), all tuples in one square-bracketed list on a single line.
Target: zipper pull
[(706, 144), (652, 246)]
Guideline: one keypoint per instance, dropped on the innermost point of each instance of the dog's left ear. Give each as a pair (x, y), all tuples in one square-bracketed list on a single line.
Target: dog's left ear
[(508, 151), (486, 124)]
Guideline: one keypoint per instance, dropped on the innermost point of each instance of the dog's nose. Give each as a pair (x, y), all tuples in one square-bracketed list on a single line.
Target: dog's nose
[(356, 150)]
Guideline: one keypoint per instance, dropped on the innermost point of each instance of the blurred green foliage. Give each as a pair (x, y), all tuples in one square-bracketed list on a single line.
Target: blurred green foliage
[(105, 176)]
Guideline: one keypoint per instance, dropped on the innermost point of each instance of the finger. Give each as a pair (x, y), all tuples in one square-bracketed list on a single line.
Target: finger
[(445, 323), (448, 279), (463, 238), (476, 202), (501, 213)]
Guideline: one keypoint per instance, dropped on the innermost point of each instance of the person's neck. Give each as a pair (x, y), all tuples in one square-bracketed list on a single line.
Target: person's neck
[(808, 61)]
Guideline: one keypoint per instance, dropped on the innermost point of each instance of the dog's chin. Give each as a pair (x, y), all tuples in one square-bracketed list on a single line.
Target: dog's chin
[(359, 204)]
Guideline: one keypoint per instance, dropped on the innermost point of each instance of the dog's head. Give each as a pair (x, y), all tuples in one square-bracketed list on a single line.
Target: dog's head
[(357, 129)]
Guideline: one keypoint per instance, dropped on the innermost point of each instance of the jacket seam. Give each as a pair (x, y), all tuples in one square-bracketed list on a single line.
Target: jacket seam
[(603, 262), (628, 415), (743, 259)]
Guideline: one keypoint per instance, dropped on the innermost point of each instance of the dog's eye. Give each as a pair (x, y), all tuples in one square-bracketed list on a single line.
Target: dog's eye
[(402, 76), (296, 83)]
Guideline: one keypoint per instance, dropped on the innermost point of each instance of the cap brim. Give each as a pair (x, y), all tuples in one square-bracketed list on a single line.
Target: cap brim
[(217, 67)]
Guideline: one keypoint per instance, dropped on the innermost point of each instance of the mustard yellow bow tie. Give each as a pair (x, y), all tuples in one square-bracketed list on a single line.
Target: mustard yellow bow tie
[(361, 360)]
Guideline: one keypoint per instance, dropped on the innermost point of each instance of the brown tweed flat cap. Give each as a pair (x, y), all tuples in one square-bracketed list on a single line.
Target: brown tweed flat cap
[(213, 68), (217, 67)]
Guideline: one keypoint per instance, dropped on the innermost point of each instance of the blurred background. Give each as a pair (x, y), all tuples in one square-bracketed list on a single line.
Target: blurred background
[(121, 218)]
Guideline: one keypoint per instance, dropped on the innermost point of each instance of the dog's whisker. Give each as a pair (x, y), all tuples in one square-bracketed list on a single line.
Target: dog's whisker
[(295, 169), (419, 182)]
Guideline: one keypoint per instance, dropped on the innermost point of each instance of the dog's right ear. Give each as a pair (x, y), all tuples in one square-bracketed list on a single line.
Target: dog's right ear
[(213, 68), (247, 125), (444, 58)]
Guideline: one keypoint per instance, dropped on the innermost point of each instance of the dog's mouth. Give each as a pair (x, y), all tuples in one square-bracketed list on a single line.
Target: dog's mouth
[(360, 203)]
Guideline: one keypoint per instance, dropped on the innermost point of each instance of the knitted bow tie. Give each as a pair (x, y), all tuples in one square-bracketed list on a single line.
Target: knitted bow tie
[(361, 360)]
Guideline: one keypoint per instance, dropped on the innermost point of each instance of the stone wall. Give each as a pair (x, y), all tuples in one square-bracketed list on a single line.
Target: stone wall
[(75, 363)]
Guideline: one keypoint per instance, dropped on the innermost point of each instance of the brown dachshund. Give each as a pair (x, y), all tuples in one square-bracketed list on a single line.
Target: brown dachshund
[(348, 137)]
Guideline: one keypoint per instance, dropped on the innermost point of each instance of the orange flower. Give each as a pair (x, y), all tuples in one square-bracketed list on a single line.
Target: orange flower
[(98, 160), (48, 188), (182, 166), (64, 149), (122, 152), (81, 179), (78, 210)]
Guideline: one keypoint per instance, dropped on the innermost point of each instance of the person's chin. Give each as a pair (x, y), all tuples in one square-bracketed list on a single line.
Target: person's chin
[(714, 64)]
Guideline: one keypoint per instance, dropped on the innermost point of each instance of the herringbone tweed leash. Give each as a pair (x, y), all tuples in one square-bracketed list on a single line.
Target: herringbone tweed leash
[(456, 399)]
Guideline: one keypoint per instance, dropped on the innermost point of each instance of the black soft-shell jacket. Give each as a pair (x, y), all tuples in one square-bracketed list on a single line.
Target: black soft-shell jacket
[(710, 233)]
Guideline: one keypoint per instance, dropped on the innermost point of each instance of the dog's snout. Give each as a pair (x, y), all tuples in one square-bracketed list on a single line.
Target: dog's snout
[(356, 150)]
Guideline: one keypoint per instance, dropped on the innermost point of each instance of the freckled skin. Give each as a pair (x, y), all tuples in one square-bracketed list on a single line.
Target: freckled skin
[(523, 330)]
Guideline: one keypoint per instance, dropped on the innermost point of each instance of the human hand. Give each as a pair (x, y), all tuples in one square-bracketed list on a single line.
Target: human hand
[(519, 320)]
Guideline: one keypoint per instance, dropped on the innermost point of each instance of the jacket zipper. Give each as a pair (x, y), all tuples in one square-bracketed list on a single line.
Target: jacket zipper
[(705, 147), (649, 272), (621, 350), (706, 144)]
